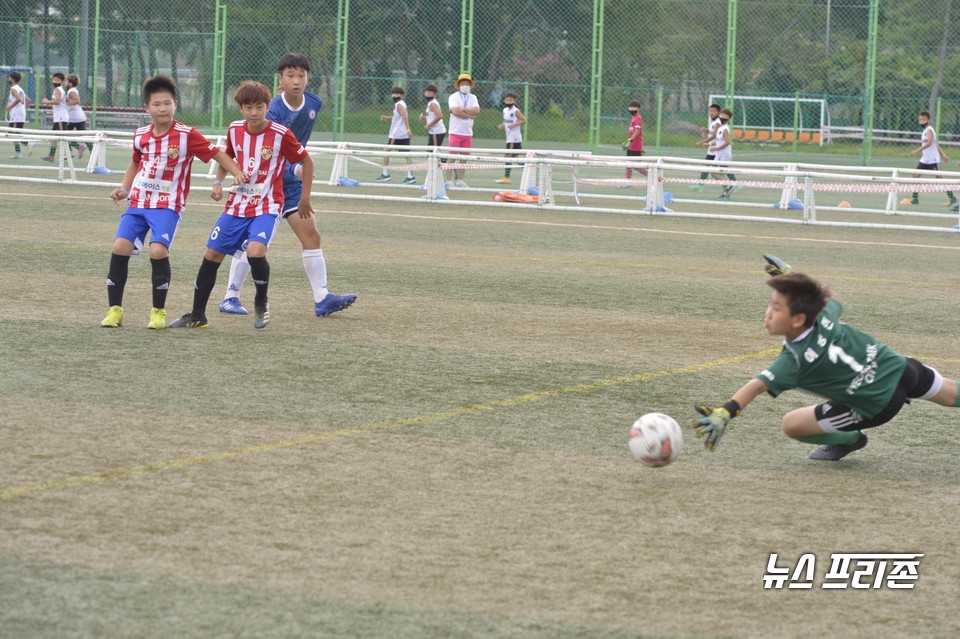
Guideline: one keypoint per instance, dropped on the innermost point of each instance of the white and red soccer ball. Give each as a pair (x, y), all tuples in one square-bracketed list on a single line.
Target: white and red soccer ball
[(656, 439)]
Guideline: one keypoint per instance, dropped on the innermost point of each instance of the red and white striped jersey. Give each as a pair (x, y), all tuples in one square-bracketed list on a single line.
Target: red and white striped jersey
[(263, 157), (163, 174)]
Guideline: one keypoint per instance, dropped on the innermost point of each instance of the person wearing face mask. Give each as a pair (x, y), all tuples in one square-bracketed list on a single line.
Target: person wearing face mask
[(58, 101), (512, 121), (400, 133), (930, 154), (723, 152), (432, 116), (17, 108), (76, 118), (708, 134), (633, 145), (464, 109)]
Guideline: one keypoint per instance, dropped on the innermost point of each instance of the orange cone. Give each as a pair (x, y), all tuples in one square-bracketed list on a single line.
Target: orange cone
[(845, 204), (905, 200)]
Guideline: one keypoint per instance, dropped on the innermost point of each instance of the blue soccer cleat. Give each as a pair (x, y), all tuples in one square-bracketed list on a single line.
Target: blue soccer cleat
[(333, 303), (232, 306)]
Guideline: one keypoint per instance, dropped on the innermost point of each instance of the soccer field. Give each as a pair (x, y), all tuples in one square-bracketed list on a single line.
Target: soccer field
[(448, 457)]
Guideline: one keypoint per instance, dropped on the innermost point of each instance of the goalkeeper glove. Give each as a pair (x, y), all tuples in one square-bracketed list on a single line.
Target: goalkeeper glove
[(625, 145), (775, 266), (713, 423)]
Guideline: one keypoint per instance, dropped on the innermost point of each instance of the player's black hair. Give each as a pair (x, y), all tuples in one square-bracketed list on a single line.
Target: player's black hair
[(509, 94), (293, 61), (714, 106), (159, 84), (430, 87), (15, 75), (58, 75), (634, 103), (398, 90), (925, 114), (804, 295)]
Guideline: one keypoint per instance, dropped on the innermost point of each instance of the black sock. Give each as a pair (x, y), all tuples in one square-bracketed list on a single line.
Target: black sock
[(117, 278), (260, 270), (731, 177), (161, 281), (915, 198), (703, 176), (950, 196), (206, 280)]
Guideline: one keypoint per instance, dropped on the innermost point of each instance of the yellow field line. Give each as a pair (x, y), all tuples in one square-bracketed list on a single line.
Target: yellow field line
[(196, 460)]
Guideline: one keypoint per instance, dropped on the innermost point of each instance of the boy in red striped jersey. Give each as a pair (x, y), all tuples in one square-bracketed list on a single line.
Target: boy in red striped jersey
[(155, 185), (263, 149)]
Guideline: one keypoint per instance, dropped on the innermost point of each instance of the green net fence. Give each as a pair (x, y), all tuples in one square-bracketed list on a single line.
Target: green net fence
[(787, 67)]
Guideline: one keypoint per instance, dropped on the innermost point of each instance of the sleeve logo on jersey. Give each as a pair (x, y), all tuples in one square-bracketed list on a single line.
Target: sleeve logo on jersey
[(173, 152), (266, 153), (313, 114)]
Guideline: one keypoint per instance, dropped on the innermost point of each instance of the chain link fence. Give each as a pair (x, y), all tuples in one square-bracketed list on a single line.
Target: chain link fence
[(813, 56)]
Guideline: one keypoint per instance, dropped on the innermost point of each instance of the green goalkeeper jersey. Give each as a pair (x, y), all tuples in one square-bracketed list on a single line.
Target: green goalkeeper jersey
[(838, 362)]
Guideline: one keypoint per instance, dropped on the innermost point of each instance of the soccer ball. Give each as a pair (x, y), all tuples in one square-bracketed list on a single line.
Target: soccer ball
[(656, 439)]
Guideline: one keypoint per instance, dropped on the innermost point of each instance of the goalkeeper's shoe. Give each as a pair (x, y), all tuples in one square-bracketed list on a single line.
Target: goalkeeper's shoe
[(232, 306), (836, 452), (190, 321), (261, 316), (114, 317), (158, 318), (333, 303)]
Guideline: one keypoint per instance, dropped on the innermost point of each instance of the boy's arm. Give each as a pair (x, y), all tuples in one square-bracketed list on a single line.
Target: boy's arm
[(520, 120), (713, 421), (305, 208), (123, 191), (217, 191), (230, 165)]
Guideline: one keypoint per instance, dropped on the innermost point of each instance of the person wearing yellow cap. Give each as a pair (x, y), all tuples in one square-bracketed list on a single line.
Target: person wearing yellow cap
[(464, 109)]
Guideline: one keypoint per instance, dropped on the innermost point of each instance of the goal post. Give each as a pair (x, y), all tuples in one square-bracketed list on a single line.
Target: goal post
[(770, 118)]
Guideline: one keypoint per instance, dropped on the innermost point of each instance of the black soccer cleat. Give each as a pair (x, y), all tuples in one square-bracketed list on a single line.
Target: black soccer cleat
[(836, 452)]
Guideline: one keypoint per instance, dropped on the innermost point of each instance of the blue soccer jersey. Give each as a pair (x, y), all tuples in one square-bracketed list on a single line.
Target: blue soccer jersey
[(301, 120)]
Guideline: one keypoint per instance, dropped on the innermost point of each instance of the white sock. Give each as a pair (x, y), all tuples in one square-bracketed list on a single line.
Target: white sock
[(316, 268), (239, 269), (409, 174)]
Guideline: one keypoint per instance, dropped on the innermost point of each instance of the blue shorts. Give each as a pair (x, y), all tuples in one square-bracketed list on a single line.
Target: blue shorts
[(292, 192), (162, 224), (231, 232)]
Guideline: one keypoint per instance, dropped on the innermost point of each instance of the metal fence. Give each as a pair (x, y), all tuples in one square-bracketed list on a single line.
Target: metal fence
[(575, 64)]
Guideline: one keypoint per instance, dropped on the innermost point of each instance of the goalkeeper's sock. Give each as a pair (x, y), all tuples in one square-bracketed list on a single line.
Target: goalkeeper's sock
[(845, 438), (956, 402), (703, 176), (951, 197), (915, 199), (731, 177)]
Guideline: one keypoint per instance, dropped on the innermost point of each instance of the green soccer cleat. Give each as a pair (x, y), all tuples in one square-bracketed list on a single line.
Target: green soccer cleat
[(158, 318), (696, 187), (114, 317), (190, 321)]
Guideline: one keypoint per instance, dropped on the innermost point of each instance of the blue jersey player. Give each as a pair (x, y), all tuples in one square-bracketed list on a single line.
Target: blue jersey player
[(296, 109)]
